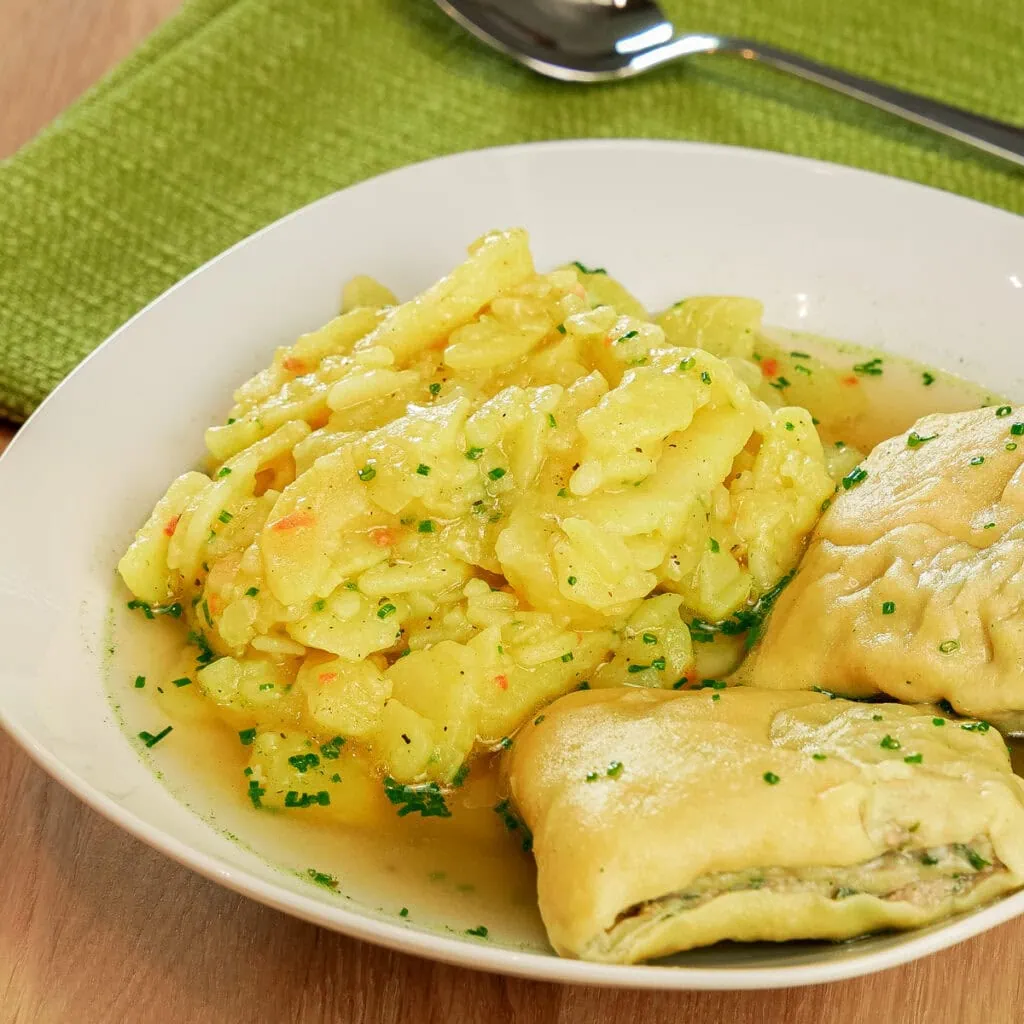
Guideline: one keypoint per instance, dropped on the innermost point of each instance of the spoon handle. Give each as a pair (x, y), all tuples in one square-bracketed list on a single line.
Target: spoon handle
[(997, 137)]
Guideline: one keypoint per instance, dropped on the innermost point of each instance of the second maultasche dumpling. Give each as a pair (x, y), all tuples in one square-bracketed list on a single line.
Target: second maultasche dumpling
[(665, 821), (913, 584)]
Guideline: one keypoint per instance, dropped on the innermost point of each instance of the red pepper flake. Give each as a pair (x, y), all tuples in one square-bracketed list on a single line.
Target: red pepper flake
[(293, 521), (293, 365), (214, 604), (383, 536), (502, 681), (851, 381), (326, 677), (172, 525), (770, 367)]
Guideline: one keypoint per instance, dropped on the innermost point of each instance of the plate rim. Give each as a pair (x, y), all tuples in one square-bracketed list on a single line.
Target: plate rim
[(458, 951)]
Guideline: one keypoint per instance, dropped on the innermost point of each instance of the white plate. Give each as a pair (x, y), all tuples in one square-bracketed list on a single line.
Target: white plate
[(828, 249)]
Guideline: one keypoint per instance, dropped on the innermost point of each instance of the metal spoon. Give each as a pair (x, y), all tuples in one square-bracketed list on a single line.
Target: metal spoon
[(597, 40)]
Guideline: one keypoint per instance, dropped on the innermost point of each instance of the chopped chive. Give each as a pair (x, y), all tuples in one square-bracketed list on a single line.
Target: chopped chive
[(225, 516), (825, 504), (856, 476), (426, 526), (687, 363), (649, 638), (435, 388), (713, 546), (805, 370), (423, 469), (659, 664), (560, 328), (224, 471), (567, 656), (927, 379), (627, 336), (322, 878), (331, 750), (255, 792), (915, 440), (183, 681), (266, 686), (552, 422), (539, 719), (252, 591), (571, 580), (888, 607), (505, 742), (949, 646), (928, 860), (872, 368), (780, 385), (497, 473), (800, 355), (1003, 410), (303, 762), (480, 932), (819, 757), (975, 727), (385, 610), (140, 682), (474, 453), (771, 778), (404, 912), (1017, 429), (938, 721), (335, 777), (614, 769), (914, 758), (367, 473), (591, 777), (977, 460), (246, 736), (789, 426), (889, 742), (1010, 446), (972, 857), (583, 270), (351, 585), (562, 492), (705, 376), (319, 606), (461, 775), (150, 740), (637, 668)]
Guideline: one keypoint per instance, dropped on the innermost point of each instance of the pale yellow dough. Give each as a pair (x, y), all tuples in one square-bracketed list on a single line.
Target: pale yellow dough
[(690, 812), (913, 584)]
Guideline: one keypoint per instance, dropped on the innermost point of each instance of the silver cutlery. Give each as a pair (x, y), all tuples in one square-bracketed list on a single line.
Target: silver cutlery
[(598, 40)]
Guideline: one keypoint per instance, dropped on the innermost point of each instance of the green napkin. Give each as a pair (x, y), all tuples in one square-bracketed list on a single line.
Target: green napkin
[(238, 111)]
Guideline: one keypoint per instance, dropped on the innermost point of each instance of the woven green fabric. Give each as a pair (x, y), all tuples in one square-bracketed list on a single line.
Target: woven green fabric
[(238, 111)]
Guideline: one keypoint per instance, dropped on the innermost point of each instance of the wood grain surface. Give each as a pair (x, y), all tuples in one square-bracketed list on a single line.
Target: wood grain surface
[(96, 928)]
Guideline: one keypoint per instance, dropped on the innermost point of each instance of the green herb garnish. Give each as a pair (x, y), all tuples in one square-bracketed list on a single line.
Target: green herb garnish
[(423, 798), (426, 526), (367, 473), (252, 591), (771, 778), (322, 878), (872, 368), (914, 758), (614, 769), (183, 681), (714, 546), (255, 792), (888, 607), (303, 762), (927, 379), (331, 750), (856, 476), (1003, 410), (497, 473), (385, 610), (915, 440), (480, 932), (140, 682), (461, 775), (889, 743), (225, 516), (152, 740), (435, 388), (583, 270), (474, 453), (749, 620), (246, 736), (513, 823), (949, 646), (319, 606)]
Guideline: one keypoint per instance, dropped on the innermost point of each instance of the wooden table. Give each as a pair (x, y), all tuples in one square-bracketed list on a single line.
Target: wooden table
[(96, 928)]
